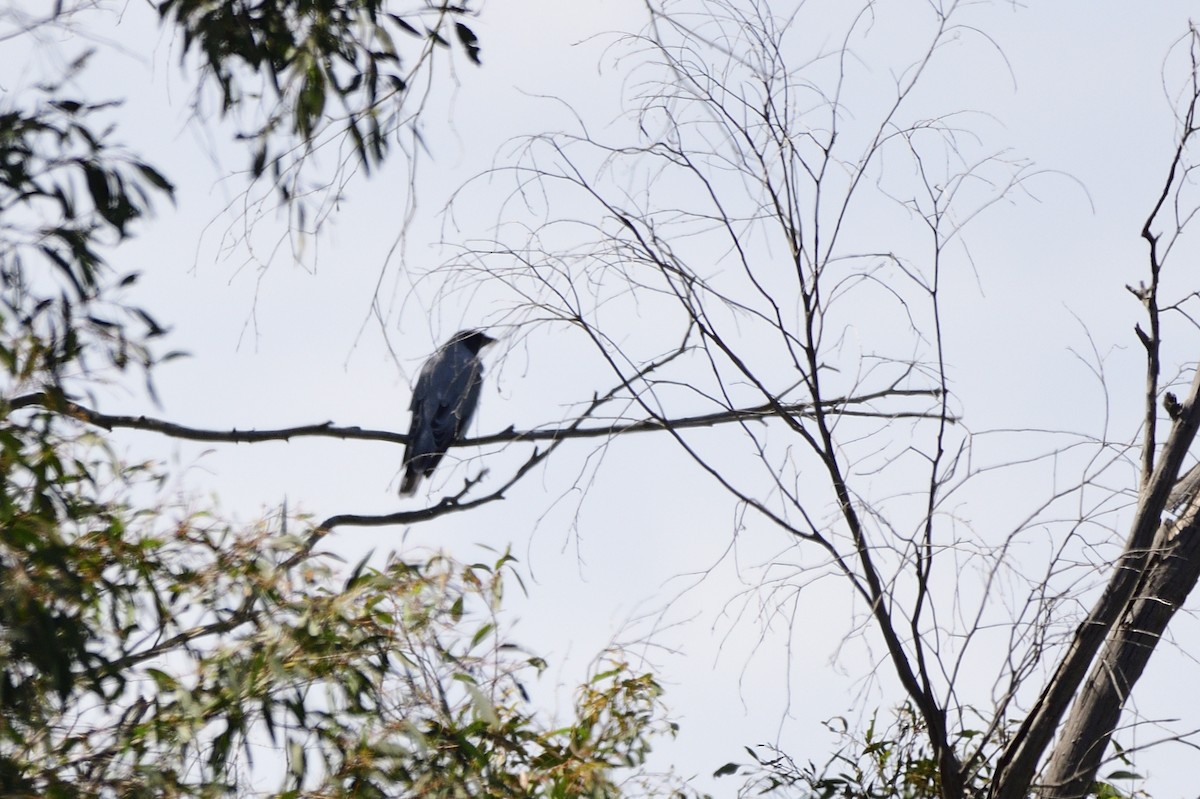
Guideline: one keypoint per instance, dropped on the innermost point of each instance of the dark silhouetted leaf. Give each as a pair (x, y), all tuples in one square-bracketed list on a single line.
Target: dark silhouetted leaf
[(470, 41)]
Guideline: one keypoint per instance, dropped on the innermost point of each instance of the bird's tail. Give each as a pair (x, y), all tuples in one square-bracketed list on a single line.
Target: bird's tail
[(408, 486)]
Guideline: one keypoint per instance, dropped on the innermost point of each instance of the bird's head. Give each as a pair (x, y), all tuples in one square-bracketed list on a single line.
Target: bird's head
[(474, 339)]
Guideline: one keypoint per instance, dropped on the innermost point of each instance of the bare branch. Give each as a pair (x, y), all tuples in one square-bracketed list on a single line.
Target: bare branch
[(574, 431), (1075, 759)]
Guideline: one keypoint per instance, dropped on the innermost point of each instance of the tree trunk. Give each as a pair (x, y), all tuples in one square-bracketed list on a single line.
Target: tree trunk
[(1017, 766), (1173, 570)]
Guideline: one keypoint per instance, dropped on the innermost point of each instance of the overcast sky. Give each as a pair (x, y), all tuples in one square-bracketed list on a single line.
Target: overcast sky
[(629, 540)]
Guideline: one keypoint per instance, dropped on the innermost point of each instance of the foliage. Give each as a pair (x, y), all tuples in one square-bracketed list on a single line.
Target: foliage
[(157, 652), (310, 55), (893, 762), (67, 193), (148, 648)]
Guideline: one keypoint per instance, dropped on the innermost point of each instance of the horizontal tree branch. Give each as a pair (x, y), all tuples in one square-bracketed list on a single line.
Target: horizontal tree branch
[(330, 430), (456, 503)]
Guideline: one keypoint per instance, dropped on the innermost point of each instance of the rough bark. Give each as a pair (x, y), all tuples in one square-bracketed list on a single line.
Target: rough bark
[(1173, 571), (1018, 764)]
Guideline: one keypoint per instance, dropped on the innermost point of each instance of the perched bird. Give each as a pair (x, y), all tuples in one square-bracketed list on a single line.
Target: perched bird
[(443, 401)]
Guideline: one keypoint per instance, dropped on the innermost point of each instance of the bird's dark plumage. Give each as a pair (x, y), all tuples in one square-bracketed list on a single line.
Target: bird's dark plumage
[(443, 402)]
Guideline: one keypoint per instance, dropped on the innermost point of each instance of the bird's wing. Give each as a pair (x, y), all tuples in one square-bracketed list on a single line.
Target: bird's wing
[(455, 378), (424, 407), (423, 390)]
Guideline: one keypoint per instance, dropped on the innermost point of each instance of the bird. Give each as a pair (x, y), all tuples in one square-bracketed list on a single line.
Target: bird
[(443, 402)]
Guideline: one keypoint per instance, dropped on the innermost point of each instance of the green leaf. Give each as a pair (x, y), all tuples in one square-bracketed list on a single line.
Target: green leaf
[(482, 633), (404, 26), (260, 160), (164, 682), (156, 178)]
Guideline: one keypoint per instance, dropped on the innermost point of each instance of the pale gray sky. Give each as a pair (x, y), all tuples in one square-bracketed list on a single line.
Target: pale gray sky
[(624, 539)]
